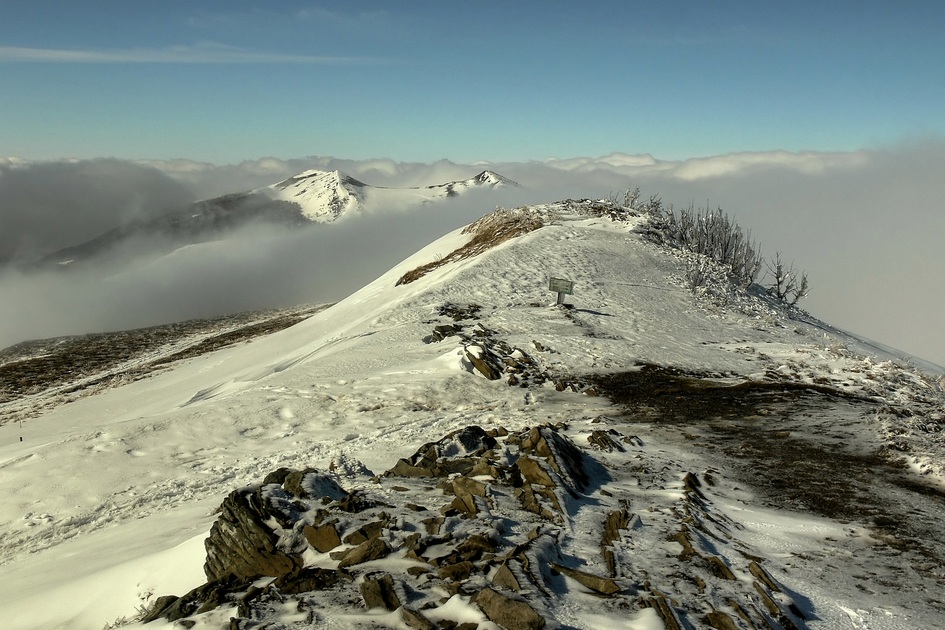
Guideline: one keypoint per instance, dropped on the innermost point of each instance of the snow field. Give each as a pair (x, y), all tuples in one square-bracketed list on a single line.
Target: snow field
[(109, 496)]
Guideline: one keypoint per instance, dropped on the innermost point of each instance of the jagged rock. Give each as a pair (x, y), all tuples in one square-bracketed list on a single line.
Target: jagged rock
[(485, 361), (602, 585), (367, 532), (311, 579), (354, 502), (459, 312), (380, 593), (433, 524), (463, 486), (465, 504), (466, 491), (312, 483), (720, 621), (774, 609), (533, 472), (373, 549), (665, 610), (484, 467), (443, 331), (277, 476), (403, 468), (457, 452), (159, 606), (615, 521), (531, 502), (513, 614), (505, 576), (719, 569), (456, 572), (603, 441), (201, 599), (415, 619), (474, 547), (323, 537), (561, 454), (242, 544), (762, 576), (688, 551)]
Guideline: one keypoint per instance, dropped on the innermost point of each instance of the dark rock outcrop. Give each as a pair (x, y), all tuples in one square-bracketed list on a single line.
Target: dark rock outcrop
[(462, 530), (508, 612), (379, 592), (454, 453), (242, 544)]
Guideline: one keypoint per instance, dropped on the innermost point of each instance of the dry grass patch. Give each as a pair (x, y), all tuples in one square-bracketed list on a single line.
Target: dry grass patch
[(491, 230)]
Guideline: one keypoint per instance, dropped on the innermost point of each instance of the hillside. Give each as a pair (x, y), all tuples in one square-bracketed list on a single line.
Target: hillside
[(644, 457)]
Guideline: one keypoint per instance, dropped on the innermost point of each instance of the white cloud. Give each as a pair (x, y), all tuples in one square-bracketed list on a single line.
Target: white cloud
[(866, 225), (199, 54), (736, 164)]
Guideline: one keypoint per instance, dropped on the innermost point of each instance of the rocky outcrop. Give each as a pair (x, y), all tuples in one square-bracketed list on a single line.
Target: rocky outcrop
[(508, 611), (488, 516), (241, 544), (379, 592), (455, 453)]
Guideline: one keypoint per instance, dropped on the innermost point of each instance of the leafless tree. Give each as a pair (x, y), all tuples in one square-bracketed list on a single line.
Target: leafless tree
[(789, 285)]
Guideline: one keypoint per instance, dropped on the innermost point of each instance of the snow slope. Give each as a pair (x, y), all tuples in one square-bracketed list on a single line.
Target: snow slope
[(108, 499)]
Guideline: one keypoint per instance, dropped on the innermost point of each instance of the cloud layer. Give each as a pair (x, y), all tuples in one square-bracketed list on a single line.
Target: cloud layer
[(867, 226), (48, 206), (202, 54)]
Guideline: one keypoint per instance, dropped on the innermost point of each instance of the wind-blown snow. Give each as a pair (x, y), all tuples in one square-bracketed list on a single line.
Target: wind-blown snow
[(108, 498)]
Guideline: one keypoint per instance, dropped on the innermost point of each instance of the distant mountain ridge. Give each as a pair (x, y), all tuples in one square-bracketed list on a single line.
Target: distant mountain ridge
[(326, 196), (313, 196)]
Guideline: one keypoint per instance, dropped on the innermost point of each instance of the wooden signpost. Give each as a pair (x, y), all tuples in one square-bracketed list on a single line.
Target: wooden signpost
[(562, 287)]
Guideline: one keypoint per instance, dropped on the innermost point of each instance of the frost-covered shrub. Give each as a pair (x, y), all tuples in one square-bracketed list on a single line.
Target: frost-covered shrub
[(713, 234), (789, 285), (696, 274), (630, 200)]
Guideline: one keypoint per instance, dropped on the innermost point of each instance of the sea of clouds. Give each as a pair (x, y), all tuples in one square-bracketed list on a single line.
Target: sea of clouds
[(867, 226)]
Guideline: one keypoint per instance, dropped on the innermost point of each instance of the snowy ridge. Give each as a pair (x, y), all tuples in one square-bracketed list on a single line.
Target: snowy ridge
[(747, 437), (326, 196)]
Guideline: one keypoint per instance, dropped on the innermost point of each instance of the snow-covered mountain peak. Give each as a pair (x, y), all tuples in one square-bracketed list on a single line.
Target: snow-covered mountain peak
[(492, 178), (326, 196), (322, 196)]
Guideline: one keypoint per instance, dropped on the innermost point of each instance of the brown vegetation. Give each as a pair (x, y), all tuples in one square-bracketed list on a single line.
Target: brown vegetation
[(489, 231)]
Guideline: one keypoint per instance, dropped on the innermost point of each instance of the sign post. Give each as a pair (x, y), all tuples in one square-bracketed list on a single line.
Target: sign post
[(562, 287)]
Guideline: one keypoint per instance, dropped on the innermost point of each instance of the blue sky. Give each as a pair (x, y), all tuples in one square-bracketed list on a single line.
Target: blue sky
[(499, 81)]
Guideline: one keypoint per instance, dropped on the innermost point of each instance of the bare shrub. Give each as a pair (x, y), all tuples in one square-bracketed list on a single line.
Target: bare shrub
[(697, 274), (789, 285), (630, 200), (713, 234)]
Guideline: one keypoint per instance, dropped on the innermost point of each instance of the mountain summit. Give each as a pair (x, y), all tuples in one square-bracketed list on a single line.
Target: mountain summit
[(448, 446), (321, 196), (325, 196)]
